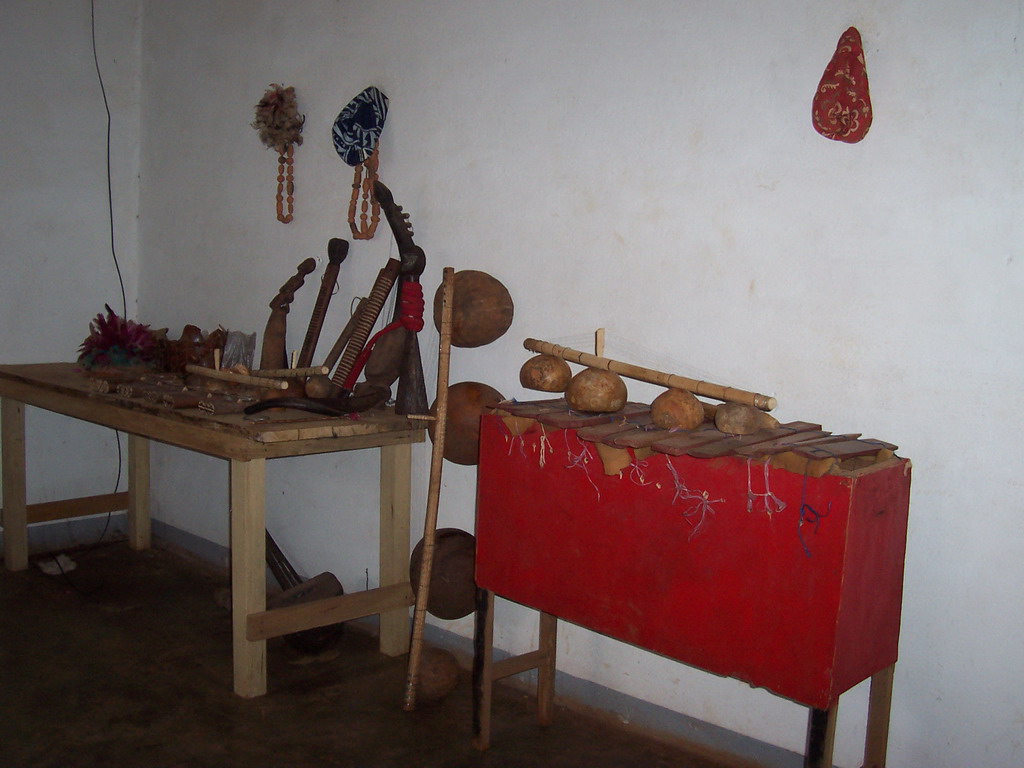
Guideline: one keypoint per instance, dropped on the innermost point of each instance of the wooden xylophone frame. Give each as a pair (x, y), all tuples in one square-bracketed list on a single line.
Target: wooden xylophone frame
[(788, 580)]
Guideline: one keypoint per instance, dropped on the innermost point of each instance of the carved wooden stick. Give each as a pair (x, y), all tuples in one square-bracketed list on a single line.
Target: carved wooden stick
[(273, 354), (337, 250), (704, 388)]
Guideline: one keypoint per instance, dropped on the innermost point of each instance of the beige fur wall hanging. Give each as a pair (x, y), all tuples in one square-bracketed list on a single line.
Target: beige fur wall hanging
[(280, 127)]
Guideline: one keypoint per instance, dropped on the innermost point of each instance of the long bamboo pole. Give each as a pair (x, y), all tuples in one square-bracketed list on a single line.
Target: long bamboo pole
[(433, 490), (704, 388)]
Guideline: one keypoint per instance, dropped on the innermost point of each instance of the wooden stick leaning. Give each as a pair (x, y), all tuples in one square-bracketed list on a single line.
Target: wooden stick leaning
[(697, 387), (346, 333), (433, 490), (237, 378)]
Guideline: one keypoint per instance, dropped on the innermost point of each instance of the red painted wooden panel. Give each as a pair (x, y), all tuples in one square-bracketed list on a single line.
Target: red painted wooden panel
[(806, 610)]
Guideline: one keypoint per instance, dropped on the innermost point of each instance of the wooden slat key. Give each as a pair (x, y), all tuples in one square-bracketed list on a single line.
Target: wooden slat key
[(607, 432), (569, 419), (844, 450), (725, 447), (533, 408), (680, 443)]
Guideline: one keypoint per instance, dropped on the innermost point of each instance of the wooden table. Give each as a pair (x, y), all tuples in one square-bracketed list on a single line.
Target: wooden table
[(717, 555), (246, 442)]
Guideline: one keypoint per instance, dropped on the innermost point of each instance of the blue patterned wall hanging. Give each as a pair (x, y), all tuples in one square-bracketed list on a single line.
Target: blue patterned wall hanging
[(356, 135)]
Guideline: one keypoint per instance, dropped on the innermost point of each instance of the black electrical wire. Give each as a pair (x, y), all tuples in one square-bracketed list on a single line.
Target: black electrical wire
[(124, 301), (110, 190)]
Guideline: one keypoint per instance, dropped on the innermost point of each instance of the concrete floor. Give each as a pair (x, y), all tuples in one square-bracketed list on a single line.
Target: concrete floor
[(127, 662)]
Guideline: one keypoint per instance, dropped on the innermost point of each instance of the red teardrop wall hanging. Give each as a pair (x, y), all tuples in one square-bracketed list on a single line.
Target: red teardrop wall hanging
[(842, 103)]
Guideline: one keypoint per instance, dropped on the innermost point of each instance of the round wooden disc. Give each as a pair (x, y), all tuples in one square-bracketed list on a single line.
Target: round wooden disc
[(439, 675), (482, 309), (452, 584), (467, 400)]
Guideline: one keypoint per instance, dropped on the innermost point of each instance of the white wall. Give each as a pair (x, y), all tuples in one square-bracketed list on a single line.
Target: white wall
[(650, 168), (55, 243)]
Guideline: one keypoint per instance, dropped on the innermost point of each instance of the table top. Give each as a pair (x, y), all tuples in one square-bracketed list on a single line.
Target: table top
[(67, 389)]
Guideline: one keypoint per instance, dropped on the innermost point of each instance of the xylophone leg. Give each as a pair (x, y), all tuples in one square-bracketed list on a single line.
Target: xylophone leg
[(821, 736), (879, 705), (483, 663), (548, 635)]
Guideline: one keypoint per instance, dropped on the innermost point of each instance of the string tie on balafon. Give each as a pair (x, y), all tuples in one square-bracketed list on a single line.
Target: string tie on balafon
[(544, 446), (769, 500), (638, 472), (580, 460), (809, 514), (699, 504), (410, 317)]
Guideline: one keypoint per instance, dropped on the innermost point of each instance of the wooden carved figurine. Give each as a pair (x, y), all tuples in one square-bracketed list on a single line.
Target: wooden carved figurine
[(273, 354)]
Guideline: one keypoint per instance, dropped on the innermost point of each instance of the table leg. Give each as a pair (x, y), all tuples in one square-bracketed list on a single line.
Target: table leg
[(248, 573), (15, 518), (548, 635), (821, 736), (139, 528), (395, 473), (879, 705), (483, 663)]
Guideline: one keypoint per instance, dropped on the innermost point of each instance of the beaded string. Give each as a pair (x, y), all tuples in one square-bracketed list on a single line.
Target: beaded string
[(701, 507), (811, 515), (286, 183), (771, 502), (369, 215)]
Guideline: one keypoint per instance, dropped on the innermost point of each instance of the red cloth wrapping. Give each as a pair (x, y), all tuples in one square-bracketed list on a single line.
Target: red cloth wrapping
[(842, 104)]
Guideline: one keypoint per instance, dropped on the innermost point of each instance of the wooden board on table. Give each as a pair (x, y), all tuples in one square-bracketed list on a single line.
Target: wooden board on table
[(294, 424)]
